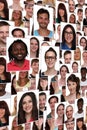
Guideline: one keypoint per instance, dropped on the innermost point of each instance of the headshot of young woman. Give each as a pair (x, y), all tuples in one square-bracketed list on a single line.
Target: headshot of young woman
[(50, 57), (13, 85), (23, 82), (54, 88), (73, 84), (4, 11), (17, 18), (27, 109), (34, 47), (61, 13), (4, 76), (4, 113), (68, 38), (15, 125), (43, 83)]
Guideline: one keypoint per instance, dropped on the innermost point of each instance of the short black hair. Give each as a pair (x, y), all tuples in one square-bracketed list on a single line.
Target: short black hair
[(4, 23), (51, 49), (34, 60), (80, 100), (67, 52), (42, 94), (53, 97), (18, 29), (10, 48), (42, 11)]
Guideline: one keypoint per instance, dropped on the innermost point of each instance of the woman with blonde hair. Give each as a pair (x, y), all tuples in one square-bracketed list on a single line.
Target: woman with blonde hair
[(23, 82), (14, 107), (17, 17), (15, 126), (49, 2)]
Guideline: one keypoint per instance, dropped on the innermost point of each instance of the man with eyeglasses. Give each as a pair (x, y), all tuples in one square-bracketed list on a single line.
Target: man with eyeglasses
[(29, 9)]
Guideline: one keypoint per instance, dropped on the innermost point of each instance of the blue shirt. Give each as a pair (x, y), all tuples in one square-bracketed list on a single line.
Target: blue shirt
[(64, 46), (36, 33)]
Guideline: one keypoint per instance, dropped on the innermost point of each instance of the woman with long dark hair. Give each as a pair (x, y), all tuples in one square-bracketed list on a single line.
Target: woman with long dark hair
[(4, 11), (61, 13), (4, 76), (43, 83), (60, 112), (80, 124), (28, 110), (68, 38), (4, 114), (34, 47), (13, 85)]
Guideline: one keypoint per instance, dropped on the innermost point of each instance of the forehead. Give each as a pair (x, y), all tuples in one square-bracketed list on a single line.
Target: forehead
[(50, 53), (17, 44), (68, 28), (5, 27), (53, 99), (43, 15), (69, 108)]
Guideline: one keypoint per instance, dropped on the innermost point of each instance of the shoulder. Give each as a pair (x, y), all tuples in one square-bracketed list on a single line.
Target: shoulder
[(36, 33)]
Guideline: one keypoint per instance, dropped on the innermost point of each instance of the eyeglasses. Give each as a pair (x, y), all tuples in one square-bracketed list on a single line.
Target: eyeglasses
[(70, 33), (50, 57)]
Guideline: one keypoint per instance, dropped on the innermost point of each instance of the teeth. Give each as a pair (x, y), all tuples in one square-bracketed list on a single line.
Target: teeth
[(19, 55)]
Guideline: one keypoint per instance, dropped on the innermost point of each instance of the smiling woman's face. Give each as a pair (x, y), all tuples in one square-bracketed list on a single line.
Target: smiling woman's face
[(69, 35), (2, 69)]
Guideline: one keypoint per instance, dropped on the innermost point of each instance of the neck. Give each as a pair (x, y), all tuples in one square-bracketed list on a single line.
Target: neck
[(53, 114), (34, 73), (80, 111), (2, 77), (28, 117), (19, 63), (32, 54), (51, 71), (22, 82), (43, 31), (17, 22), (69, 45), (27, 16), (83, 78)]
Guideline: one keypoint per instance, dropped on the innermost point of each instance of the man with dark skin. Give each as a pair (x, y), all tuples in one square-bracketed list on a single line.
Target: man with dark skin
[(17, 53), (80, 112)]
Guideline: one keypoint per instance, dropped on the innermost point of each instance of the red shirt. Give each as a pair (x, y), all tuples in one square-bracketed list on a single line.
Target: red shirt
[(12, 66)]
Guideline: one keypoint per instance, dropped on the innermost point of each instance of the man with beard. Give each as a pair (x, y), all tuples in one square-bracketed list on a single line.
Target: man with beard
[(80, 112), (43, 21), (3, 93)]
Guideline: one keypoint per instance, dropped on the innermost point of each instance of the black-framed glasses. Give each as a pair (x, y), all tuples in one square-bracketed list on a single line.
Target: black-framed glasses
[(70, 33)]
